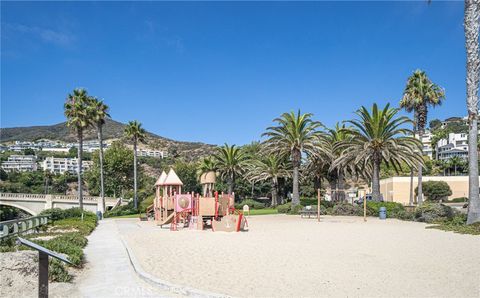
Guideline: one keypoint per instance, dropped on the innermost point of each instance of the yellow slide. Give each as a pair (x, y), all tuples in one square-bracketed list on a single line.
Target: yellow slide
[(167, 220)]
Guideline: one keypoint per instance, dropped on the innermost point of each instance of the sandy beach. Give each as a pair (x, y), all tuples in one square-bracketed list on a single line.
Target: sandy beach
[(286, 256)]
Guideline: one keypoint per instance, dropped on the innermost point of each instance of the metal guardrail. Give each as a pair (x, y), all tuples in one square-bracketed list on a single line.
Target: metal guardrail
[(16, 226)]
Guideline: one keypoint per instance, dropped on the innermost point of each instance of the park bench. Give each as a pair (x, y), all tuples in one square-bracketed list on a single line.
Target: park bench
[(308, 211)]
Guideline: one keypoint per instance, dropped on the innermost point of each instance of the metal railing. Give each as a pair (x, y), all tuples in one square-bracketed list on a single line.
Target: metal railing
[(17, 226)]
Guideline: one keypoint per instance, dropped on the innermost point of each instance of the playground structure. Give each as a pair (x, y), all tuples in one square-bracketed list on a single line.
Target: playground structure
[(171, 207)]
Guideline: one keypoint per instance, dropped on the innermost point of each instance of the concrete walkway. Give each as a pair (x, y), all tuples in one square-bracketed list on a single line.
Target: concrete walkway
[(108, 271)]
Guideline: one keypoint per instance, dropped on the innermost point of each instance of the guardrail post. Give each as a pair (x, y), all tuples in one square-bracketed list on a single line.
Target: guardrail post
[(5, 230), (15, 228), (24, 226), (42, 275)]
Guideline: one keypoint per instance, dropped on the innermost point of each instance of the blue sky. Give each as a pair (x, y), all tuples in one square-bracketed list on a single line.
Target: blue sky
[(221, 71)]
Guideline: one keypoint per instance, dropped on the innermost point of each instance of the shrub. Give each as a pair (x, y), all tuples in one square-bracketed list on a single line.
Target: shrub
[(435, 190), (404, 215), (430, 212), (84, 227), (314, 201), (64, 246), (57, 272), (285, 208), (296, 209), (459, 200), (54, 213), (392, 208), (251, 203), (458, 225), (122, 210), (347, 209)]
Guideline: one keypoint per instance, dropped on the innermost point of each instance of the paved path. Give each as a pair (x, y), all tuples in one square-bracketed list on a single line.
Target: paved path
[(108, 271)]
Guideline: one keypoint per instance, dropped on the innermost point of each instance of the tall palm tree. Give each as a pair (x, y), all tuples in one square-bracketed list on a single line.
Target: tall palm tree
[(230, 162), (293, 135), (420, 93), (334, 136), (136, 133), (472, 27), (269, 167), (378, 136), (99, 114), (79, 118), (410, 107)]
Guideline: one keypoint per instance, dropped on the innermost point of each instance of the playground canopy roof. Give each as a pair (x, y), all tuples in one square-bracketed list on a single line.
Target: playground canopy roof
[(161, 179), (172, 179)]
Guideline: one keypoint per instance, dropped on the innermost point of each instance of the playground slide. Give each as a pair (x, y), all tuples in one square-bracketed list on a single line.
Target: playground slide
[(167, 220), (229, 223)]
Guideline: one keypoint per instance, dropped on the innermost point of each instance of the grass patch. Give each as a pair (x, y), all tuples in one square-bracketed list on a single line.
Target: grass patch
[(137, 215), (264, 211)]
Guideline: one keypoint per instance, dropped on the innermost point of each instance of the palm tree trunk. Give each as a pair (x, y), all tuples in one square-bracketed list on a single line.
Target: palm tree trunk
[(274, 192), (135, 202), (341, 185), (376, 179), (102, 189), (296, 156), (420, 170), (79, 169), (472, 26), (333, 193), (411, 187)]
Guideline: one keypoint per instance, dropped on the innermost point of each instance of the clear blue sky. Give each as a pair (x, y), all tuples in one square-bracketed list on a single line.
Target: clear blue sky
[(220, 72)]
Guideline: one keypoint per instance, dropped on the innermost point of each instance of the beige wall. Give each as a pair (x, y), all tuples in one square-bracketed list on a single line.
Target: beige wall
[(397, 189)]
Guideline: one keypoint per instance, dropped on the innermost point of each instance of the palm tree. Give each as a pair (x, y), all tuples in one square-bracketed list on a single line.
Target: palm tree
[(455, 162), (334, 136), (293, 135), (230, 161), (100, 113), (472, 27), (79, 118), (269, 167), (378, 136), (136, 133), (419, 94)]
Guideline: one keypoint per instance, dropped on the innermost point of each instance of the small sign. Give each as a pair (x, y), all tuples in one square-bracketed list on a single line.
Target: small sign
[(44, 250)]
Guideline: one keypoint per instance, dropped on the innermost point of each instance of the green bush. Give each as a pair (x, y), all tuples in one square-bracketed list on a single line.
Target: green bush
[(66, 245), (285, 208), (251, 203), (295, 209), (347, 209), (57, 272), (404, 215), (458, 200), (433, 212), (392, 208), (122, 210), (435, 190), (84, 227), (458, 224), (58, 214), (314, 201)]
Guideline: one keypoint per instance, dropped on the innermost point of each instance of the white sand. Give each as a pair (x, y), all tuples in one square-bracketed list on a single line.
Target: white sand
[(19, 277), (286, 256)]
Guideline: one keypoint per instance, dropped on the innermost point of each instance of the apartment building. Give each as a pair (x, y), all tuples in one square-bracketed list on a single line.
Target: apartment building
[(62, 165), (20, 163), (426, 143), (456, 144), (152, 153)]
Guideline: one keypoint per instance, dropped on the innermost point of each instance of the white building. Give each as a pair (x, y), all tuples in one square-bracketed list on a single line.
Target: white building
[(62, 165), (152, 153), (455, 145), (20, 163), (427, 144)]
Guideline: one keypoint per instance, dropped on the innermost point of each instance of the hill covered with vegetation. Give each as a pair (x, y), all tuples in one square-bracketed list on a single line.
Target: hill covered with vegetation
[(111, 130)]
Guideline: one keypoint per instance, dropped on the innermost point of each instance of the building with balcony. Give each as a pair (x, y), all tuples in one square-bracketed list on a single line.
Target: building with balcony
[(20, 163), (152, 153), (426, 144), (63, 165), (456, 144)]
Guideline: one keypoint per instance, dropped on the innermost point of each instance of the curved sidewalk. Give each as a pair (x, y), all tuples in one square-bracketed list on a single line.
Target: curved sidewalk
[(108, 271)]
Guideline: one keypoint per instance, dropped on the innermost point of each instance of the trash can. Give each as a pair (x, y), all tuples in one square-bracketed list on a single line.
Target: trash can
[(382, 213), (99, 215)]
